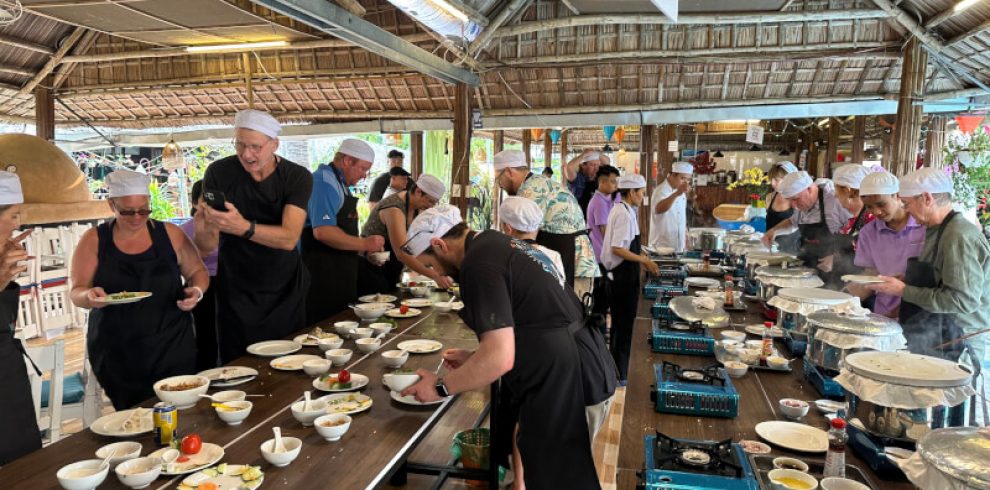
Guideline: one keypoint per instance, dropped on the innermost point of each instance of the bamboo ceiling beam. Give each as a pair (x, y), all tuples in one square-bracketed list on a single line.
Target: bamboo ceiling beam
[(912, 25), (56, 58), (16, 70), (968, 34), (28, 45), (188, 119), (689, 19), (503, 17), (354, 7), (941, 17)]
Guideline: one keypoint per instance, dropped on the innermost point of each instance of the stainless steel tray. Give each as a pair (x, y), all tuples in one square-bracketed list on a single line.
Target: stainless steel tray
[(763, 463)]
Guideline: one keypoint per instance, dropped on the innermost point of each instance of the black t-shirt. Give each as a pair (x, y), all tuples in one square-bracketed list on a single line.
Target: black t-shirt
[(261, 201), (378, 187)]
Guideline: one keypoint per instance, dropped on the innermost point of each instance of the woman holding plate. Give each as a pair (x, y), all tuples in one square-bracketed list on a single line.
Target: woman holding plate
[(135, 344)]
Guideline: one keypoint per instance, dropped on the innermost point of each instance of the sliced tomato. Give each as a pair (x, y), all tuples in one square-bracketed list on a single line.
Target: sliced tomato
[(182, 459), (404, 309)]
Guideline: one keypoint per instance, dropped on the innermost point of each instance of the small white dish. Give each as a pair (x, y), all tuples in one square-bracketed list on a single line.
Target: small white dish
[(292, 446), (333, 426), (736, 369), (380, 328), (779, 478), (83, 475), (316, 408), (395, 358), (124, 451), (330, 343), (368, 345), (793, 409), (733, 335), (400, 381), (193, 386), (836, 483), (344, 328), (361, 333), (229, 396), (317, 367), (419, 291), (234, 412), (139, 472), (339, 357), (785, 463)]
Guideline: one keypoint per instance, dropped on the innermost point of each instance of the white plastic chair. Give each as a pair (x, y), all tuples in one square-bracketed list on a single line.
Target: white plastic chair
[(54, 308), (28, 316), (50, 359)]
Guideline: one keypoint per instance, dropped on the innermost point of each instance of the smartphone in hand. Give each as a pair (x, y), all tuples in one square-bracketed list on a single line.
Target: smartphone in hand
[(216, 200)]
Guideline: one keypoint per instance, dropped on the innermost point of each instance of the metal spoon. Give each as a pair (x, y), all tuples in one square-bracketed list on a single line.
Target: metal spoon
[(437, 370)]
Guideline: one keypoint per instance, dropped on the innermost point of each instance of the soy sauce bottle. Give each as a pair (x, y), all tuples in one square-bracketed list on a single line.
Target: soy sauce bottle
[(835, 458)]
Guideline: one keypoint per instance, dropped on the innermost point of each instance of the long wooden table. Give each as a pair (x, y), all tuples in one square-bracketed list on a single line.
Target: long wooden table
[(378, 441), (759, 394)]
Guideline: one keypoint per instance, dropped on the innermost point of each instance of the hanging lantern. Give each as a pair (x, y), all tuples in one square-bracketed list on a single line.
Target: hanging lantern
[(393, 139), (609, 131), (172, 157), (620, 134), (537, 133), (555, 136), (481, 156), (968, 122)]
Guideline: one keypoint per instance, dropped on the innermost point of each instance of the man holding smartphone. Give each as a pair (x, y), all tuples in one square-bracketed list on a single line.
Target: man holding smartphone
[(261, 282)]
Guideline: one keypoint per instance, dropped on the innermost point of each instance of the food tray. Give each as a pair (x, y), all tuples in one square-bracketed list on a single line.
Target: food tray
[(722, 357), (763, 463)]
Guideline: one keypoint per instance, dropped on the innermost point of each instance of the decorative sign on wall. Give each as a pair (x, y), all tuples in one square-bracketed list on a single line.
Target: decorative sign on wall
[(754, 134)]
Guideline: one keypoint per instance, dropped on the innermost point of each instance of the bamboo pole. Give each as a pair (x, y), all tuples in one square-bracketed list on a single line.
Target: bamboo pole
[(44, 111), (16, 70), (832, 152), (547, 149), (568, 110), (56, 58), (416, 153), (503, 17), (934, 141), (859, 139), (563, 155), (909, 109), (23, 44), (646, 165), (527, 139), (460, 174), (968, 34), (248, 86)]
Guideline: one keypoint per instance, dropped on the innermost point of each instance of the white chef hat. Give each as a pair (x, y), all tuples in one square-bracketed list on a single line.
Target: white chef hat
[(793, 183), (591, 156), (521, 213), (431, 186), (879, 184), (430, 224), (359, 149), (510, 159), (128, 183), (850, 175), (682, 168), (787, 165), (927, 179), (10, 189), (259, 121), (632, 181)]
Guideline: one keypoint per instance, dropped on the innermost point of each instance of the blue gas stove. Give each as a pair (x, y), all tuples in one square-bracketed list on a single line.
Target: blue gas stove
[(706, 392), (683, 464), (678, 337)]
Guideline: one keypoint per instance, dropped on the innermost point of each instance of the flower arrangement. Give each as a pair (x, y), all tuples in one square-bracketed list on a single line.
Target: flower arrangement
[(967, 160), (755, 181)]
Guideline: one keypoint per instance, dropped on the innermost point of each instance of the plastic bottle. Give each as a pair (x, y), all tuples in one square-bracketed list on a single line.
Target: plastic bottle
[(835, 458), (767, 347), (729, 297)]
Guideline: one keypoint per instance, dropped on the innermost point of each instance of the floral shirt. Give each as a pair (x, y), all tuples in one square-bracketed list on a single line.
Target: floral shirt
[(562, 215)]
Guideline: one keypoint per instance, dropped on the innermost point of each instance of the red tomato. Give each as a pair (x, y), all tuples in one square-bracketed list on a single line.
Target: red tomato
[(182, 459), (344, 376), (413, 284), (191, 444), (404, 309)]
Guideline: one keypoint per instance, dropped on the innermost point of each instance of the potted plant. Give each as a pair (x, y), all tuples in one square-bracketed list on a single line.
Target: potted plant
[(757, 183)]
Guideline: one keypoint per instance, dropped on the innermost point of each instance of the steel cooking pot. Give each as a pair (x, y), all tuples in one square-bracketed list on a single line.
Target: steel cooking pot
[(712, 241), (694, 236), (903, 424), (960, 453), (828, 329)]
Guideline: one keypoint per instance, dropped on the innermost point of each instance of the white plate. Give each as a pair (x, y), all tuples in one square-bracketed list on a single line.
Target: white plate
[(209, 455), (377, 298), (828, 406), (396, 313), (229, 480), (816, 296), (358, 381), (291, 363), (702, 282), (347, 403), (423, 346), (218, 375), (417, 302), (794, 436), (138, 297), (110, 424), (274, 348), (757, 330), (860, 279), (905, 368), (411, 399)]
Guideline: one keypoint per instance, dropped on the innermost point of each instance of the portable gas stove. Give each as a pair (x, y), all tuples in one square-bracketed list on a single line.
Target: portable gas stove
[(674, 337), (682, 464), (870, 448), (707, 391), (658, 286), (822, 380), (661, 307)]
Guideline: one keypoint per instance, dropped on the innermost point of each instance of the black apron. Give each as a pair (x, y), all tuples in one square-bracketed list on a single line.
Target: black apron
[(18, 423), (816, 238), (924, 330), (845, 252), (623, 289), (785, 243), (334, 272), (133, 345)]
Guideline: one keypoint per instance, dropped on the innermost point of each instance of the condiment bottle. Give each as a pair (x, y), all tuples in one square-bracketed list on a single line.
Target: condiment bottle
[(835, 458), (706, 258), (729, 299), (767, 347)]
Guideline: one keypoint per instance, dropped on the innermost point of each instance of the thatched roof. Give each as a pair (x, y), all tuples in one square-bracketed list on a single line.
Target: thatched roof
[(124, 63)]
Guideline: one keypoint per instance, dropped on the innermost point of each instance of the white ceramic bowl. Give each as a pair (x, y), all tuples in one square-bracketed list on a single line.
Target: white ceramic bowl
[(419, 291), (330, 343), (794, 409), (182, 399), (777, 362), (316, 408), (316, 367), (775, 475), (380, 257), (234, 417), (292, 447), (140, 472), (733, 335), (362, 333), (395, 358), (754, 344), (380, 328), (125, 450), (784, 463), (371, 311), (83, 475), (368, 345), (344, 328), (335, 432), (339, 357), (836, 483), (229, 396), (400, 381), (736, 369)]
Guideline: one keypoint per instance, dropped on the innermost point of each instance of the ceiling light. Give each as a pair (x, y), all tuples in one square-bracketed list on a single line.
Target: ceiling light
[(784, 152), (456, 12), (963, 5), (718, 154), (755, 148), (235, 47)]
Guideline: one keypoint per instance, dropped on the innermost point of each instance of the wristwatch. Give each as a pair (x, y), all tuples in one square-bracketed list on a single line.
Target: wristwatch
[(442, 389), (250, 231)]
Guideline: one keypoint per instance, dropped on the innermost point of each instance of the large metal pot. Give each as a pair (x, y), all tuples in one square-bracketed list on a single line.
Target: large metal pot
[(856, 333), (907, 425), (694, 237), (770, 277), (811, 300), (961, 453), (712, 241)]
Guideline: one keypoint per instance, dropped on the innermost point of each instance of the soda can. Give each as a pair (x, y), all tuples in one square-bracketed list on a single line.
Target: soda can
[(166, 422)]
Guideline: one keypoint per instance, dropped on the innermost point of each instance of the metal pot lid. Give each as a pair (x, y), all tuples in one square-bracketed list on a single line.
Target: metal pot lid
[(698, 231), (872, 324), (907, 369), (960, 452), (772, 258), (818, 296), (683, 307), (788, 272)]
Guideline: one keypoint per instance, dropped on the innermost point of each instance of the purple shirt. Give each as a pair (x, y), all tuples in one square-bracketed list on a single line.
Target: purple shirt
[(189, 228), (598, 209), (881, 248)]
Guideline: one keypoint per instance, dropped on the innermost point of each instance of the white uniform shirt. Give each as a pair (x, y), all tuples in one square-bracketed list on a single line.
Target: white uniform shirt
[(553, 255), (622, 228), (668, 229)]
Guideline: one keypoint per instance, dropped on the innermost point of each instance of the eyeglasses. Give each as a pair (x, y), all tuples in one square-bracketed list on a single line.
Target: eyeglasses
[(242, 147), (132, 212)]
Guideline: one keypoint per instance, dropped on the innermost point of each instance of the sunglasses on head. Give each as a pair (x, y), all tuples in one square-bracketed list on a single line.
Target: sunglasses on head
[(132, 212)]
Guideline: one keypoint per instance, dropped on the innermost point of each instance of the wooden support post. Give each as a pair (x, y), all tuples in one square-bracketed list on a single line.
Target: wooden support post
[(832, 151), (813, 150), (527, 142), (499, 140), (909, 110), (461, 167), (934, 141), (887, 150), (547, 149), (416, 153), (859, 137), (563, 155), (646, 165), (665, 162), (44, 110), (499, 143), (248, 83)]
